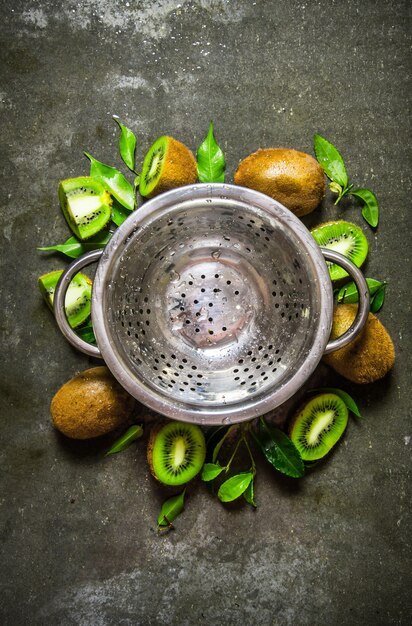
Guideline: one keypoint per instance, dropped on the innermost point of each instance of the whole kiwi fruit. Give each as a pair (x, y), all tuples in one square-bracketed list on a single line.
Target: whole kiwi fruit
[(293, 178), (91, 404), (369, 357)]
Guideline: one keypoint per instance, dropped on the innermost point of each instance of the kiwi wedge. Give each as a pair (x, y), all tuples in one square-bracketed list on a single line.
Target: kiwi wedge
[(167, 164), (86, 205), (78, 295), (369, 357), (176, 452), (293, 178), (343, 237), (318, 425)]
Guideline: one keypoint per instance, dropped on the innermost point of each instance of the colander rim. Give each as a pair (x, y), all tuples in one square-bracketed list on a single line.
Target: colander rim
[(231, 413)]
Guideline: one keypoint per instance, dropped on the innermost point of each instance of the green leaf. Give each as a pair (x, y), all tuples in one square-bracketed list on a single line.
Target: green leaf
[(220, 443), (170, 510), (115, 182), (249, 494), (378, 300), (234, 487), (279, 450), (119, 213), (74, 248), (131, 434), (370, 211), (330, 160), (86, 333), (343, 395), (210, 160), (210, 471), (348, 294), (127, 145), (136, 182)]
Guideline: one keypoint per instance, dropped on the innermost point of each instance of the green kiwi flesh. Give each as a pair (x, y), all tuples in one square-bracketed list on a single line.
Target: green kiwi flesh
[(343, 237), (168, 164), (78, 295), (86, 205), (318, 425), (176, 452)]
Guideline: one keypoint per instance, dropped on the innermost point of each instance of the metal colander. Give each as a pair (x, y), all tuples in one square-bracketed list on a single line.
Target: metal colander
[(211, 303)]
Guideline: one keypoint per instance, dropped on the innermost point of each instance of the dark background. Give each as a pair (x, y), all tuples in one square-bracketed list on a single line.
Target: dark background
[(78, 531)]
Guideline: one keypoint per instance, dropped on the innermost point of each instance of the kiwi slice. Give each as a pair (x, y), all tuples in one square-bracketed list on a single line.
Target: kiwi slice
[(176, 452), (318, 425), (86, 205), (343, 237), (78, 295), (167, 164)]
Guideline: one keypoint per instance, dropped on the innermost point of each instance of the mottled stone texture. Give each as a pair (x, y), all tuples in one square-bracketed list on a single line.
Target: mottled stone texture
[(78, 536)]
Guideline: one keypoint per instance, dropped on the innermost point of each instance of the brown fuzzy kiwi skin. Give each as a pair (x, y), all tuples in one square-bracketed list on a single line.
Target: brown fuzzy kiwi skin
[(369, 357), (150, 444), (91, 404), (293, 178), (179, 168)]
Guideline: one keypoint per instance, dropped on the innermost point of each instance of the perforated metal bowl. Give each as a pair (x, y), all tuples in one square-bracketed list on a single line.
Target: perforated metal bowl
[(211, 303)]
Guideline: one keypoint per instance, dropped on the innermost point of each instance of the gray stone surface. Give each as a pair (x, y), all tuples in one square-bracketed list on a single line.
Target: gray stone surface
[(78, 536)]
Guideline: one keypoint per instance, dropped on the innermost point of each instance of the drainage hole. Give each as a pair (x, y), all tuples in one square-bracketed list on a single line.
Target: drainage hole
[(197, 330), (224, 328)]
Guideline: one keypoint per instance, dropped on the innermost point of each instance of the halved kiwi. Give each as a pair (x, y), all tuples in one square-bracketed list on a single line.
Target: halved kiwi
[(78, 295), (167, 164), (343, 237), (86, 205), (318, 425), (176, 452)]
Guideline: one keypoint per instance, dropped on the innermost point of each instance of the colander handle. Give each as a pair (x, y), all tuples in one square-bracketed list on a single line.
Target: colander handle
[(363, 308), (59, 299)]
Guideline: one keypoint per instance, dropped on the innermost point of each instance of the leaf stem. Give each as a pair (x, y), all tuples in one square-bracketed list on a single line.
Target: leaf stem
[(252, 460), (233, 455)]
